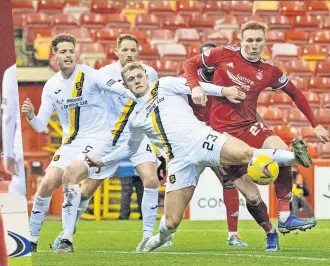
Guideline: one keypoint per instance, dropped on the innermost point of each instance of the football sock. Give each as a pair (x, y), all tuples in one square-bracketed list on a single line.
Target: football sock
[(282, 157), (260, 215), (149, 210), (83, 205), (38, 213), (231, 199), (70, 209)]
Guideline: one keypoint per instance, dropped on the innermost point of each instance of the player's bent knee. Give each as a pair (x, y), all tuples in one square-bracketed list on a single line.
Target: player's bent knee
[(172, 222), (244, 156), (74, 173), (253, 199), (151, 182)]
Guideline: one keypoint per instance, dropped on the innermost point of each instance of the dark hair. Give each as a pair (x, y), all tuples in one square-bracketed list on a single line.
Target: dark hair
[(123, 37), (62, 38), (207, 44)]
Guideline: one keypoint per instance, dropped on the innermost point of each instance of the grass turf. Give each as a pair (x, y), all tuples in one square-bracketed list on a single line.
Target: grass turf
[(195, 243)]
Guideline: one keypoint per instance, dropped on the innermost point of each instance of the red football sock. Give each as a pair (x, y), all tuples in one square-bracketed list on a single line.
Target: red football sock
[(260, 214), (230, 197), (283, 189)]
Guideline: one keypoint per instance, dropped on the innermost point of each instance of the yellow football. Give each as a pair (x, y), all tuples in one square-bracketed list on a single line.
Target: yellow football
[(263, 170)]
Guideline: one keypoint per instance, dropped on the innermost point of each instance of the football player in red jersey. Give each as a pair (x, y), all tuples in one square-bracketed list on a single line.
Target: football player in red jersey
[(243, 67), (230, 193)]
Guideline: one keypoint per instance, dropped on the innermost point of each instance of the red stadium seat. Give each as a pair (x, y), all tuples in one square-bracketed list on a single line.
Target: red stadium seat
[(299, 68), (193, 49), (22, 6), (50, 6), (322, 69), (294, 8), (280, 100), (325, 100), (217, 36), (187, 36), (226, 22), (172, 51), (296, 118), (92, 20), (19, 20), (307, 23), (161, 36), (134, 5), (313, 99), (286, 133), (285, 51), (324, 150), (307, 134), (103, 62), (241, 8), (201, 22), (107, 7), (296, 37), (33, 33), (37, 20), (326, 22), (160, 8), (316, 8), (274, 36), (109, 49), (261, 110), (173, 22), (312, 151), (263, 99), (313, 53), (218, 8), (147, 22), (300, 83), (90, 52), (82, 35), (117, 21), (185, 8), (148, 52), (76, 7), (273, 116), (110, 35), (319, 84), (321, 37), (280, 22), (168, 68), (64, 21)]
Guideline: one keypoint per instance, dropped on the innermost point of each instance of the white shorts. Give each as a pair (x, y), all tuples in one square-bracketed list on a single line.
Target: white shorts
[(183, 172), (144, 154)]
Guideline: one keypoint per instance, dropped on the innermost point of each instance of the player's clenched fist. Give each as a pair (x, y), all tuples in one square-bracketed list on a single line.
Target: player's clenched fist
[(233, 94), (28, 109), (198, 96)]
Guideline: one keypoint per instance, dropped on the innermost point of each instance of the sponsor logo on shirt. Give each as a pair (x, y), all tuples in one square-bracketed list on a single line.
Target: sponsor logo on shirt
[(243, 82), (75, 102), (111, 82)]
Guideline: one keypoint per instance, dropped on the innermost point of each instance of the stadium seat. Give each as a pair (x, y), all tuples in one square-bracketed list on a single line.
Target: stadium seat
[(189, 8), (296, 118), (107, 7), (273, 116), (161, 36), (22, 6), (294, 8), (325, 99), (286, 133), (312, 150), (32, 33), (241, 8), (316, 8), (280, 100), (168, 68), (263, 99), (192, 49), (172, 51), (50, 6), (323, 116), (82, 34), (110, 35), (227, 22), (217, 36), (109, 49), (160, 8), (274, 36), (37, 20), (90, 52), (103, 62), (76, 7), (173, 22), (323, 150), (319, 84), (313, 52), (147, 22), (265, 8), (326, 22), (299, 68), (148, 52), (211, 8), (284, 51), (313, 99), (117, 21), (64, 21), (300, 83), (321, 37), (201, 22), (307, 23), (19, 20), (134, 5), (280, 22), (296, 37), (322, 69), (92, 20), (261, 110), (307, 134), (187, 36)]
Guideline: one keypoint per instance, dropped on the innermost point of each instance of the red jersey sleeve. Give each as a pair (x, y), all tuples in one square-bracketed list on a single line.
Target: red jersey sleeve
[(208, 59), (278, 80)]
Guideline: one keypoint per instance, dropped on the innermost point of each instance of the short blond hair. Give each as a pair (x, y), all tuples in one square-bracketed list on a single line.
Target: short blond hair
[(253, 25), (131, 66)]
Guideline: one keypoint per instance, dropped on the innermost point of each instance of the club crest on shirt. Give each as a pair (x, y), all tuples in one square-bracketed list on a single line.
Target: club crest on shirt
[(79, 85), (259, 75), (207, 53), (56, 158), (172, 179)]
